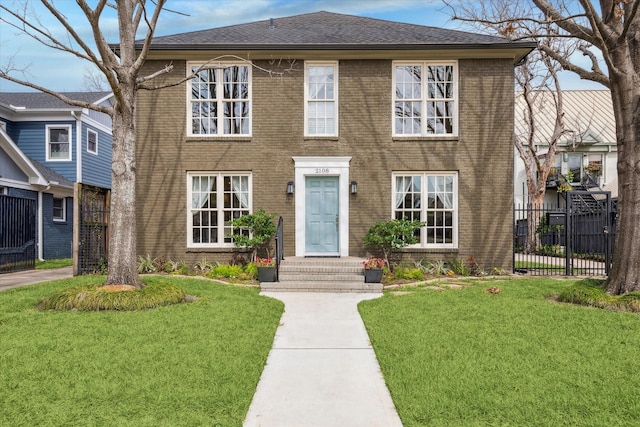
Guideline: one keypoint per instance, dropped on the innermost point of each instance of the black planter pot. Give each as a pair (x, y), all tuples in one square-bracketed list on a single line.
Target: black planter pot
[(266, 274), (373, 275)]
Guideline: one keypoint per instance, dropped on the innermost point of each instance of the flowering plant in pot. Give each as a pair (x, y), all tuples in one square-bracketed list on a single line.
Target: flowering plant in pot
[(373, 263), (266, 269), (373, 268)]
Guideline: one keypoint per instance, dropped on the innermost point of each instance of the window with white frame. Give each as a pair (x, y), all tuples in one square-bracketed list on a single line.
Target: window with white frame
[(92, 141), (431, 198), (425, 99), (220, 100), (321, 98), (59, 209), (58, 142), (214, 200)]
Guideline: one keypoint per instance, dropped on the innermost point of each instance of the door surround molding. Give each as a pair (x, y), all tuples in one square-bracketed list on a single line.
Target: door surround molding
[(322, 166)]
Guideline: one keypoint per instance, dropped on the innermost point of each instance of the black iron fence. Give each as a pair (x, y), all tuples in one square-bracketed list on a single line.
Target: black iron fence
[(573, 239), (17, 234), (92, 230), (279, 247)]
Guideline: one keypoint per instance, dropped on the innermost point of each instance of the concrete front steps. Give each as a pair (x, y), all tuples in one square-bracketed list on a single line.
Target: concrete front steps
[(299, 274)]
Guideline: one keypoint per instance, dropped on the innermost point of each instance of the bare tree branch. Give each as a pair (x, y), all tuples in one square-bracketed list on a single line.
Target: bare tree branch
[(73, 102)]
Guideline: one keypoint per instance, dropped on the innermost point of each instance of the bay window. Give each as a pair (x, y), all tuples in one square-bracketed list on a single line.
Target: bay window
[(220, 100), (431, 198), (214, 199), (425, 99)]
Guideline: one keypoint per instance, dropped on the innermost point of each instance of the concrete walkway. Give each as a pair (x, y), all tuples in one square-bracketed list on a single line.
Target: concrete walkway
[(322, 370), (29, 277)]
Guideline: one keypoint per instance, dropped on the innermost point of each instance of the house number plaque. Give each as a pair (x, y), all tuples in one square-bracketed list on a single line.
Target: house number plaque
[(323, 170)]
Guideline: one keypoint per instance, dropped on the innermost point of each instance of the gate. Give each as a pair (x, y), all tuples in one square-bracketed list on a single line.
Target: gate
[(91, 226), (17, 234), (574, 239)]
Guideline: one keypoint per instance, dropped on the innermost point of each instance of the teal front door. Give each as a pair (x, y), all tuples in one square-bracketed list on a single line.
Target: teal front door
[(322, 220)]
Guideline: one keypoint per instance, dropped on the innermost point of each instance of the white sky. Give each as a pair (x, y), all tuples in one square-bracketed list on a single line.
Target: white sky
[(63, 72)]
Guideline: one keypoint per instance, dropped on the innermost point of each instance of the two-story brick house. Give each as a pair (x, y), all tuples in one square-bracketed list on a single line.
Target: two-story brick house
[(334, 122), (46, 146)]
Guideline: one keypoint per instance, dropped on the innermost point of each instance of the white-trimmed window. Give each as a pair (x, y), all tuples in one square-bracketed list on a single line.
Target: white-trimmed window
[(431, 197), (92, 141), (425, 98), (220, 100), (58, 142), (321, 98), (59, 209), (214, 199)]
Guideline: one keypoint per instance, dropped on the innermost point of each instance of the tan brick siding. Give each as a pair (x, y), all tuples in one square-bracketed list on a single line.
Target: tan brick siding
[(483, 156)]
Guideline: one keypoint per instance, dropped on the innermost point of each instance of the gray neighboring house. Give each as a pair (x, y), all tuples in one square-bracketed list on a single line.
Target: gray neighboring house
[(46, 146), (589, 150)]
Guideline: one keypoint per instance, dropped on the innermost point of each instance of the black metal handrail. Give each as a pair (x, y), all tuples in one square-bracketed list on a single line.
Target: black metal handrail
[(279, 247)]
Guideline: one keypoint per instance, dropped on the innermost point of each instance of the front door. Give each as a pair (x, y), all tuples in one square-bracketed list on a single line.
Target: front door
[(322, 220)]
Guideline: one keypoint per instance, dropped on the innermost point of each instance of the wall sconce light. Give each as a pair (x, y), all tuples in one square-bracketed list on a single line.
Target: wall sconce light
[(565, 157), (290, 187), (354, 187)]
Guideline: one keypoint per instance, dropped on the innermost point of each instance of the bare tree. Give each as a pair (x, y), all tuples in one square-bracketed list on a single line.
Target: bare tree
[(94, 81), (609, 29), (120, 64), (537, 166), (121, 68)]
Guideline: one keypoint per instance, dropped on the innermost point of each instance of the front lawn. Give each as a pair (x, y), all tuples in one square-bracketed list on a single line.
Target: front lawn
[(468, 357), (182, 365)]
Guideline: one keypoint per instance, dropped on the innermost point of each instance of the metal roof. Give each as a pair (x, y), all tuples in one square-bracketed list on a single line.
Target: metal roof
[(327, 30), (588, 113)]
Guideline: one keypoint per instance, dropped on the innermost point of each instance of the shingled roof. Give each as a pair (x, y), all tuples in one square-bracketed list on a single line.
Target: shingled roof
[(327, 30), (44, 101)]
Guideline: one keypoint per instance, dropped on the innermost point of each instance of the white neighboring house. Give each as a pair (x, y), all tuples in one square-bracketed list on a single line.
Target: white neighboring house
[(588, 150)]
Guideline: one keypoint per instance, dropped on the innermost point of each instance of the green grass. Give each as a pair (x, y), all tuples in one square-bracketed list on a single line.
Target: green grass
[(468, 358), (180, 365), (54, 263)]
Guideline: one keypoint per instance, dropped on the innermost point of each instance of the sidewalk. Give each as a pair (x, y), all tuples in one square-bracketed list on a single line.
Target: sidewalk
[(322, 370), (29, 277)]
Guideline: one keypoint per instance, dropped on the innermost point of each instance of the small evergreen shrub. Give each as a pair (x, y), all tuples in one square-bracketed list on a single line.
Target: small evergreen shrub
[(459, 267), (409, 273), (227, 271)]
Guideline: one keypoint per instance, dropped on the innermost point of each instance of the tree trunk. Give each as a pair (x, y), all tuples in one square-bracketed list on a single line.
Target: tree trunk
[(625, 92), (534, 213), (122, 224)]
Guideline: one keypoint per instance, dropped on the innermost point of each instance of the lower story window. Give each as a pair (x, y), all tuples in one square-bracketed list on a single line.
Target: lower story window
[(431, 197), (59, 213), (214, 200)]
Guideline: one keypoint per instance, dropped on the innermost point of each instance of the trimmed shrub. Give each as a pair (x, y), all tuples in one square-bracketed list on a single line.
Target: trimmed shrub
[(410, 273)]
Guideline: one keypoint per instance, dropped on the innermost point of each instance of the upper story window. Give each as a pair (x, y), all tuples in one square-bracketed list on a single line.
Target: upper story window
[(214, 200), (92, 141), (433, 199), (321, 98), (58, 142), (220, 100), (425, 99), (59, 209)]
